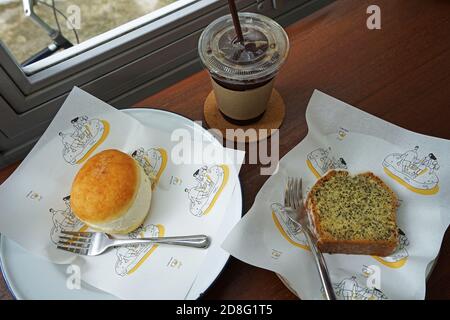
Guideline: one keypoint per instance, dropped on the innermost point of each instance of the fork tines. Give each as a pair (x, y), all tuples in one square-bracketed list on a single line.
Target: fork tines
[(74, 241), (293, 192)]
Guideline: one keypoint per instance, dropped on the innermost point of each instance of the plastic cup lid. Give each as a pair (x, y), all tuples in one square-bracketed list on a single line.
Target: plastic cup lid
[(265, 48)]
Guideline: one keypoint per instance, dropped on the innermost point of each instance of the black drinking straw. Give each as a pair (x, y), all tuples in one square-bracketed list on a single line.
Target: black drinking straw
[(237, 24)]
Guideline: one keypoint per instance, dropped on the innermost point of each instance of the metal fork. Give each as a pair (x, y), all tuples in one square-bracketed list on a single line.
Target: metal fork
[(293, 200), (95, 243)]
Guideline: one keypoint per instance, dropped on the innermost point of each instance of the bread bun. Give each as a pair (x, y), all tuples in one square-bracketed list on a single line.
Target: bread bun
[(111, 193)]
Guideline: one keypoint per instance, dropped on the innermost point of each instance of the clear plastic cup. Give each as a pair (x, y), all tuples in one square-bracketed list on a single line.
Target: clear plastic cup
[(243, 74)]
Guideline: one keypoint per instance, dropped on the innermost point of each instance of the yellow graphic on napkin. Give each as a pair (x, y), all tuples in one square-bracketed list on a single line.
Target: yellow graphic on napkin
[(99, 142), (417, 174), (424, 192), (321, 160), (85, 136), (131, 258), (395, 264), (64, 220), (210, 182), (290, 231), (313, 170), (153, 161)]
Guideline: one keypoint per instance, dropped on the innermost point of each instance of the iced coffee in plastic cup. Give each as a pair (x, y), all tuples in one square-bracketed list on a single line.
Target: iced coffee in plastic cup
[(243, 74)]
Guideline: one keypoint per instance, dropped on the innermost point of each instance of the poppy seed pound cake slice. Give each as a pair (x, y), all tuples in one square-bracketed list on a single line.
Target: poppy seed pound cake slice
[(353, 214)]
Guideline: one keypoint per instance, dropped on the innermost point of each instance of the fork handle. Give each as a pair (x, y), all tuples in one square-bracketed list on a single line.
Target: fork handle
[(321, 265), (195, 241)]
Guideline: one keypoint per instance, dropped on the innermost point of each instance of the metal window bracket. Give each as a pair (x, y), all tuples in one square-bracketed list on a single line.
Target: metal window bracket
[(59, 41)]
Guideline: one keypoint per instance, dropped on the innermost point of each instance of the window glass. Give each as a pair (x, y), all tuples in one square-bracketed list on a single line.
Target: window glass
[(78, 20)]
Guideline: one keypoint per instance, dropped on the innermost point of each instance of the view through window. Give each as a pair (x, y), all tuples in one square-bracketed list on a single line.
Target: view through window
[(78, 20)]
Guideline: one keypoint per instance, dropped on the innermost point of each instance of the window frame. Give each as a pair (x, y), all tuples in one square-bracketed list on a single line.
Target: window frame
[(173, 11)]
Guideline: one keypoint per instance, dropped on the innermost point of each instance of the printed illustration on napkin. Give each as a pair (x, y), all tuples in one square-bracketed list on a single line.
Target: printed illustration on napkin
[(355, 287), (153, 161), (64, 219), (130, 258), (416, 173), (321, 160), (292, 232), (209, 184), (83, 138)]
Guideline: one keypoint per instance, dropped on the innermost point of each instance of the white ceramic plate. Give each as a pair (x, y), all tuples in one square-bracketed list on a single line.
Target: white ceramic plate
[(31, 277)]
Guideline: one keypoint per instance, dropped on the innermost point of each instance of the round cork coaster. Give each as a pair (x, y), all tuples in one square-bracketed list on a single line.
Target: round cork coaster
[(272, 119)]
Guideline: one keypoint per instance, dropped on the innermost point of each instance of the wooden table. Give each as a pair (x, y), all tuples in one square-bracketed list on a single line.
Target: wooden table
[(400, 73)]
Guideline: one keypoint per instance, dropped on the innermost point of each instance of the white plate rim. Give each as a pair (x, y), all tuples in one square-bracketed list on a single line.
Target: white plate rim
[(14, 291)]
